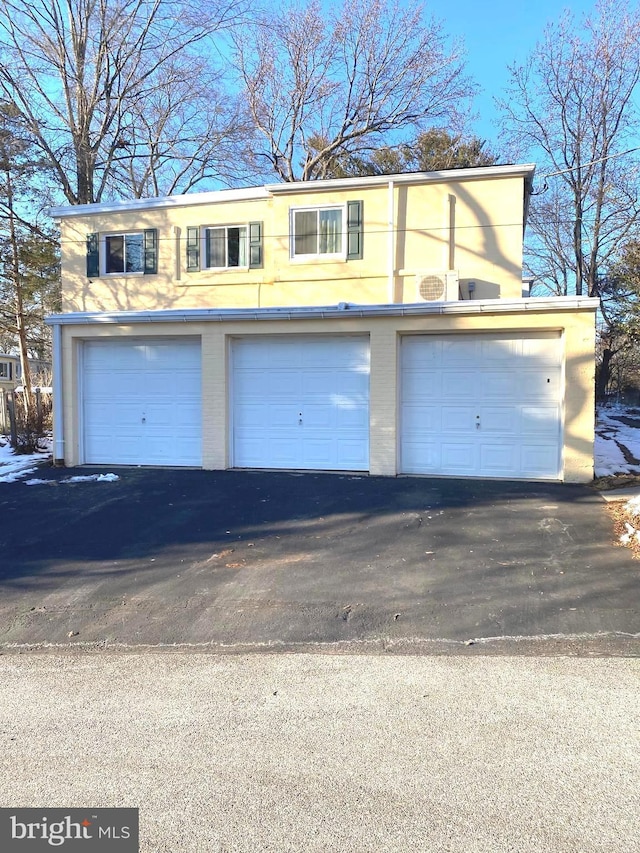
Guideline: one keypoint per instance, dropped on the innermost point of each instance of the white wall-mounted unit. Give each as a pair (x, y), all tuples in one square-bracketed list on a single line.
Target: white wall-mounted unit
[(437, 286)]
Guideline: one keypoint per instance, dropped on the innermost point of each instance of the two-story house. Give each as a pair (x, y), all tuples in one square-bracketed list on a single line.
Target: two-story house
[(370, 324)]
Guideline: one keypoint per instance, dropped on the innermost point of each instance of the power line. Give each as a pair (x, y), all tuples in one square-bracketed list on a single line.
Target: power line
[(545, 186)]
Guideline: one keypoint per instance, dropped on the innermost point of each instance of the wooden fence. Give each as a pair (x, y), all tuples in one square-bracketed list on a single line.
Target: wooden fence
[(10, 421)]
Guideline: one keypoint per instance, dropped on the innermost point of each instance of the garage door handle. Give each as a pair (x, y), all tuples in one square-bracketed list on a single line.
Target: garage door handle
[(477, 421), (144, 420)]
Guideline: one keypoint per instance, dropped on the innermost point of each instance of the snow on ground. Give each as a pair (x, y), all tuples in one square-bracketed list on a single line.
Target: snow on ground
[(15, 466), (614, 437), (86, 478)]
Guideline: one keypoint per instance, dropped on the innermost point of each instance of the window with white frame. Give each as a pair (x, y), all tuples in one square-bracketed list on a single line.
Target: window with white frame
[(226, 246), (124, 253), (317, 231), (6, 370)]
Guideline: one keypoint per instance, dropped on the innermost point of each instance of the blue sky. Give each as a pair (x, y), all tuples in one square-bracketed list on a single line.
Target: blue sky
[(496, 34)]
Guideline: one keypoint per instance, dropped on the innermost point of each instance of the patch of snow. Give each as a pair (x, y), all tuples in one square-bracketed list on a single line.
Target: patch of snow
[(92, 478), (36, 482), (14, 466), (610, 433), (608, 458), (18, 474), (632, 507)]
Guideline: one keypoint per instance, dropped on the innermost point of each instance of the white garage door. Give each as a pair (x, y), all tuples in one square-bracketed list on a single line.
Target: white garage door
[(142, 402), (301, 403), (482, 405)]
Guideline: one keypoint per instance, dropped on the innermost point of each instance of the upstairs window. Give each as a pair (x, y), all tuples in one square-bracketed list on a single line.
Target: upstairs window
[(122, 254), (5, 370), (327, 232), (318, 232), (226, 246)]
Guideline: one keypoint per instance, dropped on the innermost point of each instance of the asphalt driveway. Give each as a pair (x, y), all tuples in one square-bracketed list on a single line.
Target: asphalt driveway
[(255, 560)]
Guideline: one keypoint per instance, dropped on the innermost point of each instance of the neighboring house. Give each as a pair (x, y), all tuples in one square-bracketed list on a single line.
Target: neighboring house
[(365, 324), (9, 371)]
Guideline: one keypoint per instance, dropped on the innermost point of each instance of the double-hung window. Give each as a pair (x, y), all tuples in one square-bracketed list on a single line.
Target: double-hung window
[(327, 232), (5, 370), (318, 231), (226, 246)]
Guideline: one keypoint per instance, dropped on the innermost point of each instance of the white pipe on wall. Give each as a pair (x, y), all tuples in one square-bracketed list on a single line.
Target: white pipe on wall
[(391, 260), (58, 409)]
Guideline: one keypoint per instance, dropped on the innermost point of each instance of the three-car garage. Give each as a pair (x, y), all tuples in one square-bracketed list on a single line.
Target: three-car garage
[(387, 390)]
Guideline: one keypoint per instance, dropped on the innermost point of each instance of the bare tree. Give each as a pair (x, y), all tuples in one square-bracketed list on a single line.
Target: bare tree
[(81, 72), (324, 81), (186, 133), (29, 274), (571, 107)]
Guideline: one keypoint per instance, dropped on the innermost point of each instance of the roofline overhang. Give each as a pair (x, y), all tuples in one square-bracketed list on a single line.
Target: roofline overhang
[(525, 171), (343, 311)]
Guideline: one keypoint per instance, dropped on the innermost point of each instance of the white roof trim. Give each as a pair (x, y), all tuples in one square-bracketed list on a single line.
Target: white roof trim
[(260, 193), (342, 311), (448, 176), (186, 200)]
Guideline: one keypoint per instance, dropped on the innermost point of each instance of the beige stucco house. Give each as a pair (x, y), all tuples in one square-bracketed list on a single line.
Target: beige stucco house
[(366, 324)]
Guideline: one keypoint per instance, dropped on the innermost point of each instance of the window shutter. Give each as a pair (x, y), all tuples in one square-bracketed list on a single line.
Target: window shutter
[(354, 230), (151, 251), (255, 245), (93, 257), (193, 249)]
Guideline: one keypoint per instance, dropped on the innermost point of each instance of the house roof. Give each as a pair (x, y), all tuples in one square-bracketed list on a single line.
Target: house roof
[(525, 171), (341, 311)]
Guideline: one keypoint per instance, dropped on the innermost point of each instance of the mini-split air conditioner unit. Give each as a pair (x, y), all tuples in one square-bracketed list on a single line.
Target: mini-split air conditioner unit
[(437, 286)]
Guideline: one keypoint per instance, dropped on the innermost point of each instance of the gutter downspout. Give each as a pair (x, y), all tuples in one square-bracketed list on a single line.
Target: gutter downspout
[(391, 265), (58, 409)]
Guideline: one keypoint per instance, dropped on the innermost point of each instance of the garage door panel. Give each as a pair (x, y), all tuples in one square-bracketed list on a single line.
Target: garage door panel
[(142, 402), (514, 384), (305, 396), (458, 384), (458, 455), (423, 419), (540, 420), (499, 459), (458, 418), (542, 351), (421, 387), (502, 352), (354, 419), (283, 452), (501, 420), (538, 459), (352, 455), (541, 386), (459, 352), (419, 358), (500, 386), (421, 457)]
